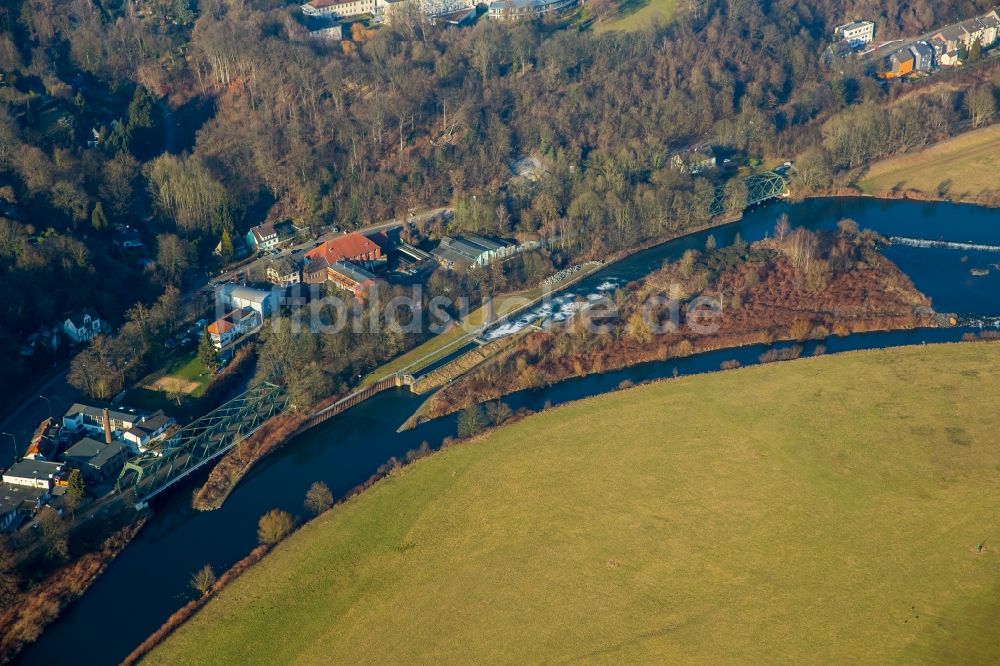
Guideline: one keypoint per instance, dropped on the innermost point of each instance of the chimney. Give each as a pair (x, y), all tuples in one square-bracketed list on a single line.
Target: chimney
[(107, 426)]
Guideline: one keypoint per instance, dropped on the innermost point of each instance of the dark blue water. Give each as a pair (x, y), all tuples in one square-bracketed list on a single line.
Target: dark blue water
[(149, 580)]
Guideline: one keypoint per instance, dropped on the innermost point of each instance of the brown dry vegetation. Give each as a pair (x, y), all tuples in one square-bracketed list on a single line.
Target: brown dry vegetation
[(803, 286), (232, 466), (26, 615)]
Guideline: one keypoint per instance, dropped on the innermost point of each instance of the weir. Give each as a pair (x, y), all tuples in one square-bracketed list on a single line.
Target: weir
[(949, 245)]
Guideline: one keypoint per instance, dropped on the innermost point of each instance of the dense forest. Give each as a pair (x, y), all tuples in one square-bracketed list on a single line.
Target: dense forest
[(186, 120)]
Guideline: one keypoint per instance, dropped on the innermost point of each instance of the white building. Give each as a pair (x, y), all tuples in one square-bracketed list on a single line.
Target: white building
[(857, 32), (524, 10), (234, 297), (90, 418), (465, 251), (227, 330), (83, 326), (33, 474), (148, 430), (341, 8)]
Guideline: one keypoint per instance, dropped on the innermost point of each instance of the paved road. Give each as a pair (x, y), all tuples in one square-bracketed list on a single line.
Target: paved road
[(22, 422), (24, 419)]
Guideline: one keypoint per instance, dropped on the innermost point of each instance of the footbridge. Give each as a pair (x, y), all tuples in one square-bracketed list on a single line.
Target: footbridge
[(761, 187), (200, 442)]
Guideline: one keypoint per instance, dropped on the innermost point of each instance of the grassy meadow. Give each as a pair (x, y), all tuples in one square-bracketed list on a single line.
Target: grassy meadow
[(964, 165), (639, 14), (823, 510)]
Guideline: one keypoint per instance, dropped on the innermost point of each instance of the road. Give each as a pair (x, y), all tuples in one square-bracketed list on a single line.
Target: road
[(23, 420)]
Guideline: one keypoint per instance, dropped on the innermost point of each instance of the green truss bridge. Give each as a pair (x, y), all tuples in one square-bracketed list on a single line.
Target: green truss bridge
[(760, 187), (200, 442)]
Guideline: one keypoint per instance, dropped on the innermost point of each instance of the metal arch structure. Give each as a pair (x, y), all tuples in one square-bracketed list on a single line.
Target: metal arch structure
[(764, 186), (200, 442), (760, 188)]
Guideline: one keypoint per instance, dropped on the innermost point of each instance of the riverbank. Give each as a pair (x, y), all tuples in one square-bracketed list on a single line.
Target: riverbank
[(761, 294), (345, 452), (28, 612), (232, 467), (506, 505)]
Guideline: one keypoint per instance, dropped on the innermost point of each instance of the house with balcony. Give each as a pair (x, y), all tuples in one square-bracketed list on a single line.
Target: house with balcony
[(227, 330)]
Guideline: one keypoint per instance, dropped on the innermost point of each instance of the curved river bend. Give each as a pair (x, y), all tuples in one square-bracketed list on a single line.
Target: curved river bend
[(149, 580)]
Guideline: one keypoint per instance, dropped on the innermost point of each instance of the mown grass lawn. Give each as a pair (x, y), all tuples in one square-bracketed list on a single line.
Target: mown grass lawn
[(639, 14), (824, 510), (963, 165)]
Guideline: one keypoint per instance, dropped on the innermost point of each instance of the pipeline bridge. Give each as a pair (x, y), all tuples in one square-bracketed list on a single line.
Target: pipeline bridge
[(199, 442), (761, 187)]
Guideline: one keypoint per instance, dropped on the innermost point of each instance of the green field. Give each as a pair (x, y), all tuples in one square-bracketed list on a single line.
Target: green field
[(184, 378), (964, 165), (824, 510), (639, 14)]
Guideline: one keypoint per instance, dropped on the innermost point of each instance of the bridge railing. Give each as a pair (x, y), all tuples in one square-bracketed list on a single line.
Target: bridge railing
[(200, 442)]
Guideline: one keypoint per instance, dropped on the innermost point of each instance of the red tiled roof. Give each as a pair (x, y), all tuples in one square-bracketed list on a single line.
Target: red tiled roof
[(221, 326), (351, 246)]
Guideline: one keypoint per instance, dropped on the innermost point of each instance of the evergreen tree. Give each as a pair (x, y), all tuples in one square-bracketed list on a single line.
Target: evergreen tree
[(206, 352), (98, 219), (77, 486), (226, 249)]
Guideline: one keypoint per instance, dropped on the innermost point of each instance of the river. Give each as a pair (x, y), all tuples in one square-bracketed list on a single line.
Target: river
[(150, 579)]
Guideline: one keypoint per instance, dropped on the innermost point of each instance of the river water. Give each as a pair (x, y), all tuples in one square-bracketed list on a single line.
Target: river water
[(149, 580)]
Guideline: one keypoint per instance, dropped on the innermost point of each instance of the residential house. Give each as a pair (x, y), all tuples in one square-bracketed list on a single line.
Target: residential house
[(351, 278), (83, 326), (148, 430), (33, 474), (694, 160), (923, 57), (17, 503), (101, 421), (45, 441), (525, 10), (856, 33), (466, 251), (900, 64), (227, 330), (263, 302), (284, 271), (263, 237), (97, 461)]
